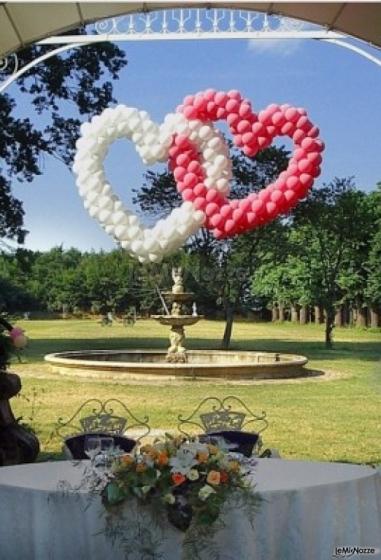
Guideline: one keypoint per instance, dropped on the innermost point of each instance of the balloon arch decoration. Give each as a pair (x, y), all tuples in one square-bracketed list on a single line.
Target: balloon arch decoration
[(195, 150), (199, 159)]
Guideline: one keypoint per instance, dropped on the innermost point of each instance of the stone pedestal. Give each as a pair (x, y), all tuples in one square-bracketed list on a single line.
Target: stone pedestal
[(17, 445)]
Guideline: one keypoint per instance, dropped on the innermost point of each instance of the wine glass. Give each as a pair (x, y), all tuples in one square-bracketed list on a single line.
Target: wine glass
[(92, 446), (107, 448)]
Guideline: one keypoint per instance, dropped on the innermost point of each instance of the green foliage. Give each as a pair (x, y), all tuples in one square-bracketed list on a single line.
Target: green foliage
[(325, 251), (58, 90)]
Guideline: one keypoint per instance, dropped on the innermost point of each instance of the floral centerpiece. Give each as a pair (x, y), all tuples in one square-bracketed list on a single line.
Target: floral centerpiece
[(188, 480)]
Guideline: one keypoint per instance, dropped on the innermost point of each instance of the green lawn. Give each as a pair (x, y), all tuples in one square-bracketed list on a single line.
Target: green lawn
[(335, 417)]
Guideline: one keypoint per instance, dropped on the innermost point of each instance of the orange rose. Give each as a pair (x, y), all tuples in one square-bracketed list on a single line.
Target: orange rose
[(141, 467), (214, 477), (127, 460), (224, 477), (202, 457), (162, 459), (178, 478)]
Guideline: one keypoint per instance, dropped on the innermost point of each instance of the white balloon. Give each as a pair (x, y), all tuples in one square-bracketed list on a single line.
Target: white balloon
[(152, 142)]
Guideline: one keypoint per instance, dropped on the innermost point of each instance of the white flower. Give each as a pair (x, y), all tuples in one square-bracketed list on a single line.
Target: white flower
[(146, 489), (184, 461), (193, 475), (205, 492), (169, 499)]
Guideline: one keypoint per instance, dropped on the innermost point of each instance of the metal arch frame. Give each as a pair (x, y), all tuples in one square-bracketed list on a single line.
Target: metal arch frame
[(287, 32)]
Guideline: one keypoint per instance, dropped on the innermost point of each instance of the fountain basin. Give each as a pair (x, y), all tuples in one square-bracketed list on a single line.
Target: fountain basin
[(180, 321), (151, 364)]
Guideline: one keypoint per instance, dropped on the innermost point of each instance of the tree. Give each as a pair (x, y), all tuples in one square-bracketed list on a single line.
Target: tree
[(70, 84), (334, 227), (221, 269), (373, 287)]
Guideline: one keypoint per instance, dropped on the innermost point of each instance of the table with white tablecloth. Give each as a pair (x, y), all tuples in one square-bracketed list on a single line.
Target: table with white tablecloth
[(309, 510)]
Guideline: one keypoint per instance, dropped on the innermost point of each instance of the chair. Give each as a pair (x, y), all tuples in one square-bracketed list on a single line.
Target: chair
[(227, 419), (98, 418)]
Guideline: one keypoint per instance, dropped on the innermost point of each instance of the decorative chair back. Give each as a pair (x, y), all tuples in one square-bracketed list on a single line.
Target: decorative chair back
[(222, 415), (95, 416)]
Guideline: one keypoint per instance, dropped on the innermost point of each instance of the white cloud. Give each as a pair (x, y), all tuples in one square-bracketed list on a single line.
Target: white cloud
[(279, 47)]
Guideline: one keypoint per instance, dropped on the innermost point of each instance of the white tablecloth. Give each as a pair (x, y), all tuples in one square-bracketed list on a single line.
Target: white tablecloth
[(309, 510)]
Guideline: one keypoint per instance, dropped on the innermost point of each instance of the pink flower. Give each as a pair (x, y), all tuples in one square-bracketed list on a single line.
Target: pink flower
[(18, 337)]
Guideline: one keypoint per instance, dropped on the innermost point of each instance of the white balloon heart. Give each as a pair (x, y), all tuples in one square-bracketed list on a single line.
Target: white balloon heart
[(152, 142)]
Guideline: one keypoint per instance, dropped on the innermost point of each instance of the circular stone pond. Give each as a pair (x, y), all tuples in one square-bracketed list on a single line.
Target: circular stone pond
[(151, 364)]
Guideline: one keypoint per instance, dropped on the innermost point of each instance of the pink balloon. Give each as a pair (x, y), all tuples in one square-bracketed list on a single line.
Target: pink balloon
[(181, 141), (244, 126), (234, 94), (292, 114), (278, 119), (194, 167), (251, 218), (298, 136), (314, 132), (218, 233), (237, 140), (257, 206), (216, 220), (292, 182), (238, 215), (188, 194), (250, 150), (221, 98), (190, 180), (226, 210), (200, 102), (229, 226), (258, 128), (212, 194), (190, 112), (299, 154), (209, 94), (306, 180), (244, 110), (199, 189), (199, 203), (211, 208), (305, 166), (271, 208), (179, 173), (288, 129), (232, 119), (315, 158), (248, 138), (188, 100), (276, 196), (290, 195), (232, 106), (182, 160), (245, 204)]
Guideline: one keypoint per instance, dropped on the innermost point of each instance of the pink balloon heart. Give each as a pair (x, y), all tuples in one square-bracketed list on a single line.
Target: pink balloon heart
[(251, 132)]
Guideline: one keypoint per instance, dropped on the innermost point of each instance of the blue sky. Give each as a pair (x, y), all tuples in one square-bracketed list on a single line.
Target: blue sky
[(340, 90)]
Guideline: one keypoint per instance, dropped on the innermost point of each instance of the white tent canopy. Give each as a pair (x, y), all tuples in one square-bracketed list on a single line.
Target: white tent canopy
[(24, 23)]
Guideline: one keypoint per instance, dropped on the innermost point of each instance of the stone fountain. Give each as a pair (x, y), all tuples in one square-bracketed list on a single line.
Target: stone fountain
[(177, 319), (177, 362)]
